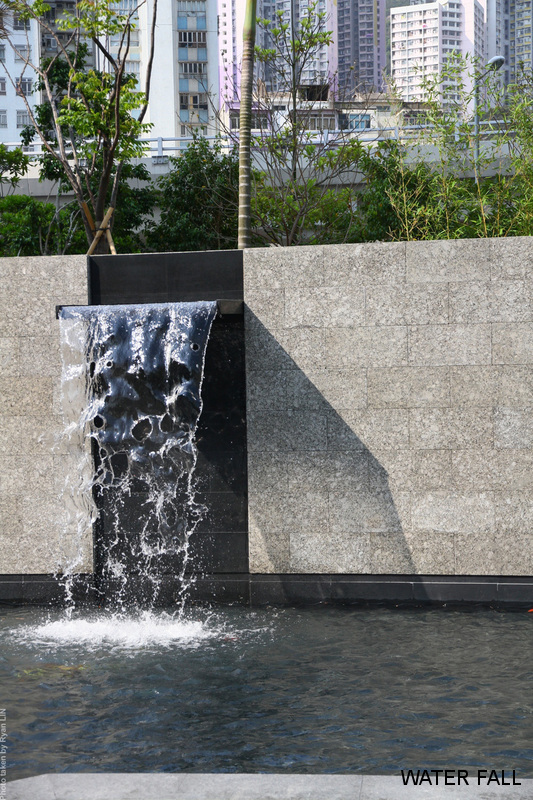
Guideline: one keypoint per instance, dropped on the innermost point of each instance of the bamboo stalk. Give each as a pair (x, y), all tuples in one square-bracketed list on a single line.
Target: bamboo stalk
[(88, 216), (110, 242), (101, 230)]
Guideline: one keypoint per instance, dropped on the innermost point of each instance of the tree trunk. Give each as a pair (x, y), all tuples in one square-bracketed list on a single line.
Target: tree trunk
[(102, 248), (245, 125)]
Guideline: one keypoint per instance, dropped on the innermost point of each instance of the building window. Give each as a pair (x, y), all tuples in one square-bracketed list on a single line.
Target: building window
[(199, 101), (3, 118), (194, 100), (23, 52), (193, 67), (23, 119), (191, 6), (358, 122), (20, 24), (125, 6), (320, 123), (2, 52), (2, 85), (24, 85), (192, 38)]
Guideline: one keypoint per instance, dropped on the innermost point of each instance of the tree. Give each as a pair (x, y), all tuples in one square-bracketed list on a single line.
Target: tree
[(29, 227), (198, 199), (455, 181), (304, 194), (245, 123), (91, 120), (13, 165), (304, 169)]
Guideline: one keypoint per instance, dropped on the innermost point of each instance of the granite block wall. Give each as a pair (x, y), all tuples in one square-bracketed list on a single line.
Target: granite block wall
[(33, 459), (389, 400)]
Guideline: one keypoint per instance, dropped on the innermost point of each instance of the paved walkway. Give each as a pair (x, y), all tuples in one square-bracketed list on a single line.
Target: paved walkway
[(184, 786)]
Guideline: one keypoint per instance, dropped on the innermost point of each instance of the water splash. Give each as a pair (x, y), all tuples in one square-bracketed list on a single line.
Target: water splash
[(132, 378), (105, 631)]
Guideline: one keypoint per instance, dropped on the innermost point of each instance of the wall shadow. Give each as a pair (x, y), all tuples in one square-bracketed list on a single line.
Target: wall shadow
[(322, 515), (361, 524)]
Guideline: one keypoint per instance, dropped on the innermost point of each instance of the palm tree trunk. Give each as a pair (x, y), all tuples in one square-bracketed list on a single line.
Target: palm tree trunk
[(245, 125)]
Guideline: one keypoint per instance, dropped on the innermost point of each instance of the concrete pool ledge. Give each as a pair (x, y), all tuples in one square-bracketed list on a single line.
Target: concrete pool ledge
[(198, 786)]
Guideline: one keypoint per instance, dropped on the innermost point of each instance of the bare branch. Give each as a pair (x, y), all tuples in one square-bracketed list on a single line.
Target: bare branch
[(148, 81)]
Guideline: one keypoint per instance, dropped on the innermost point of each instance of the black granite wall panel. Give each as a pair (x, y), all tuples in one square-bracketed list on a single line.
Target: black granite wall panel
[(220, 543), (166, 277)]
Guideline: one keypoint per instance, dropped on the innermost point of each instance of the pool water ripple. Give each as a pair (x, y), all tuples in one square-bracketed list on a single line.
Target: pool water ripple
[(296, 690)]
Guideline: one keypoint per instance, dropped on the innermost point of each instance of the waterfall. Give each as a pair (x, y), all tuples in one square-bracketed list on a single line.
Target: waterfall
[(132, 378)]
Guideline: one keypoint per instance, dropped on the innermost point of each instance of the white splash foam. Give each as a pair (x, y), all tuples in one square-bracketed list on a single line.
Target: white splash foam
[(131, 633)]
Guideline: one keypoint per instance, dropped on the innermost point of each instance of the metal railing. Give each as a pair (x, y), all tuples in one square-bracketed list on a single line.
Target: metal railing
[(159, 148)]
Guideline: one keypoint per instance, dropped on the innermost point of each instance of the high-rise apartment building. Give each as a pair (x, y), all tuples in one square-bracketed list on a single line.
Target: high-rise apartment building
[(17, 78), (520, 19), (425, 35), (360, 37), (275, 78), (133, 60), (198, 52), (230, 43), (498, 35), (185, 79), (321, 67), (185, 86), (27, 44)]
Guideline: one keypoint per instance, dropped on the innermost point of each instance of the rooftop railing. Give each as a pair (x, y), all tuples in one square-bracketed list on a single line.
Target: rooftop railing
[(159, 148)]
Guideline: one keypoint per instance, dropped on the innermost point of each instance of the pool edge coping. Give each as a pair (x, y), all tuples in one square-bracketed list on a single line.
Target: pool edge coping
[(238, 786)]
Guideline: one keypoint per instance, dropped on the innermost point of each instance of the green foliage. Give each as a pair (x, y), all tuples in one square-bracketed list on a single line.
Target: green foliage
[(198, 200), (137, 197), (455, 182), (100, 18), (316, 210), (24, 224), (377, 219), (81, 109), (90, 111), (56, 86), (514, 189), (13, 165), (302, 189), (29, 227)]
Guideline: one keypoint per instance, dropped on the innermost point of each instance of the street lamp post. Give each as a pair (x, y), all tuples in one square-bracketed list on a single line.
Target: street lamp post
[(495, 63)]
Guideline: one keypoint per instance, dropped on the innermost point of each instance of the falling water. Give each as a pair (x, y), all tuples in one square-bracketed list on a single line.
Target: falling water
[(132, 378)]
